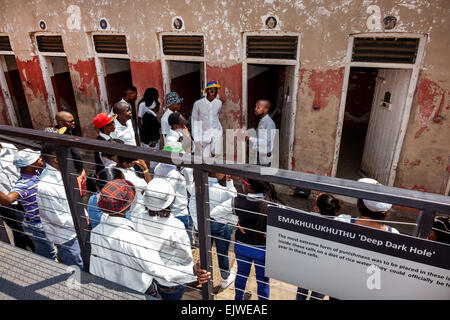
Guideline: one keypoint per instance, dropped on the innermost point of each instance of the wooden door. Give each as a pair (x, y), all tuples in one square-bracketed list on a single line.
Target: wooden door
[(386, 115)]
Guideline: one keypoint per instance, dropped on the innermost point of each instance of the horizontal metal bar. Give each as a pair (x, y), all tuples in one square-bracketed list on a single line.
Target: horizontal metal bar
[(387, 65), (27, 143), (271, 61), (398, 196), (184, 58)]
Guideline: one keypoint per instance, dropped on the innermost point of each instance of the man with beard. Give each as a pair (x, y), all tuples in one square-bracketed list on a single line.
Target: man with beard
[(265, 133)]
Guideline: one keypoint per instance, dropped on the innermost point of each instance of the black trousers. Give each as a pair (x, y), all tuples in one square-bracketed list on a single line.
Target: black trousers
[(13, 215)]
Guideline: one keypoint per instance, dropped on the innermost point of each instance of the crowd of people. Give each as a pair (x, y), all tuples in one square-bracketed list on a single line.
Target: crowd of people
[(142, 215)]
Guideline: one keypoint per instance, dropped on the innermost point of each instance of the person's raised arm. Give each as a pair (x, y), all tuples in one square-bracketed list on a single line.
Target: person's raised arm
[(7, 199)]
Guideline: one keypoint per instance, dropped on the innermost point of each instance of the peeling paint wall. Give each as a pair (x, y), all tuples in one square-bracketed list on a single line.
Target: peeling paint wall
[(323, 26)]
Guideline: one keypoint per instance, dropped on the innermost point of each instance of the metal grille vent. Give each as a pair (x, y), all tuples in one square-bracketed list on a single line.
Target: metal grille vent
[(50, 43), (396, 50), (272, 47), (110, 44), (183, 45), (5, 45)]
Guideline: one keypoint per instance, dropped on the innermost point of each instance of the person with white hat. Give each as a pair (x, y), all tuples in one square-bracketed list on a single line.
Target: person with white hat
[(121, 254), (176, 178), (370, 211), (166, 235), (24, 191)]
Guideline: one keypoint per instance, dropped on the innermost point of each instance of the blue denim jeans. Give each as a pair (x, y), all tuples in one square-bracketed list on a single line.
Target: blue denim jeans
[(245, 256), (302, 294), (189, 225), (70, 254), (42, 246), (222, 231), (171, 293)]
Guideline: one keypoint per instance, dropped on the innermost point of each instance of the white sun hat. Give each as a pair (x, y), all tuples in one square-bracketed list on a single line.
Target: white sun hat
[(159, 194), (26, 157), (375, 206)]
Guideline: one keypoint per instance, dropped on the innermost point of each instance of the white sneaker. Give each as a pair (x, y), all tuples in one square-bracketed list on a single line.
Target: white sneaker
[(226, 282)]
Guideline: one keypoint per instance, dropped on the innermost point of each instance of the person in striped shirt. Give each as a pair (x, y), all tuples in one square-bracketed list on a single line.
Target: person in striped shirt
[(24, 191)]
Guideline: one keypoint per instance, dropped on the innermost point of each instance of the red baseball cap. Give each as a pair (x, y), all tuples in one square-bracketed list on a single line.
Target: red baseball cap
[(102, 119)]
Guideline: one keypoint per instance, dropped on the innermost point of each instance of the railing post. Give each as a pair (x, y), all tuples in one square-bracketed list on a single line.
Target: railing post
[(204, 228), (425, 222), (70, 181), (3, 234)]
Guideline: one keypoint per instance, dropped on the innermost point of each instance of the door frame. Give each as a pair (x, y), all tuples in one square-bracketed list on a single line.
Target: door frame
[(100, 67), (286, 62), (10, 110), (409, 97), (166, 58), (47, 71)]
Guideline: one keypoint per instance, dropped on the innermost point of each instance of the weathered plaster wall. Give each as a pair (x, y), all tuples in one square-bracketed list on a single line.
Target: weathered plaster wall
[(324, 28)]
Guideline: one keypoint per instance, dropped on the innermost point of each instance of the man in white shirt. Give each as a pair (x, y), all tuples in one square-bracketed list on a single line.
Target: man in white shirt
[(206, 128), (106, 126), (263, 143), (124, 128), (175, 177), (54, 210), (173, 101), (121, 254)]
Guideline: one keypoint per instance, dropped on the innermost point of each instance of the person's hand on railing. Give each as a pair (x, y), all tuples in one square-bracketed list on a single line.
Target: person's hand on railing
[(144, 167), (202, 275)]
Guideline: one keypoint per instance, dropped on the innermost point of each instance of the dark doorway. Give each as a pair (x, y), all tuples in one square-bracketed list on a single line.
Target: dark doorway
[(360, 92), (186, 78), (265, 82), (17, 94), (62, 87), (117, 77)]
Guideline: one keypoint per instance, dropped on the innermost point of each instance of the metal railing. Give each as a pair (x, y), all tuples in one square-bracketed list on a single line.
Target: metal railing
[(428, 204)]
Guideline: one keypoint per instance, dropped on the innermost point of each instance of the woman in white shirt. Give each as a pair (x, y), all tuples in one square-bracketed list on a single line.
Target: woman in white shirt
[(165, 234)]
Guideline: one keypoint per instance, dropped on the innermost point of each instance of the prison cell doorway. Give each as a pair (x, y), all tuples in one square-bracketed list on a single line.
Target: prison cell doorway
[(16, 93), (117, 77), (274, 83), (374, 109), (186, 79), (62, 87)]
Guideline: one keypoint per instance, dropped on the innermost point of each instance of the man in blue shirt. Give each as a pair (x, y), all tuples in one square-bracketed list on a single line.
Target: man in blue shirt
[(24, 191)]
